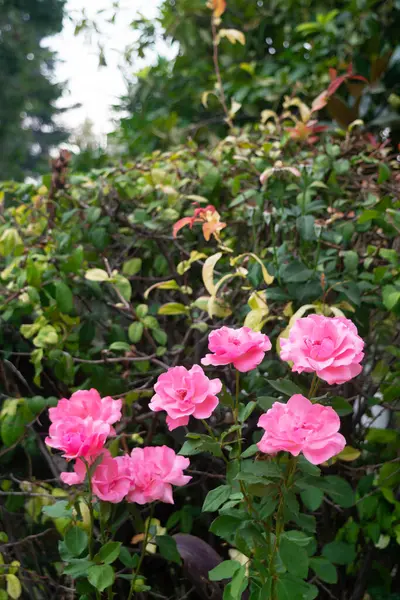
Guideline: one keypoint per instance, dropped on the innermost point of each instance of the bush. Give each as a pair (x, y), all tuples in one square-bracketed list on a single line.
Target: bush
[(112, 277)]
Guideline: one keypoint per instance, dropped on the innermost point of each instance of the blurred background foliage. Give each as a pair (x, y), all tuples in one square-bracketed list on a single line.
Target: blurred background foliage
[(27, 90), (290, 47)]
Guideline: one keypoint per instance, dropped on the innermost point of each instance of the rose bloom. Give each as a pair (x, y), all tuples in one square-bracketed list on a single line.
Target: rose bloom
[(330, 346), (87, 403), (77, 437), (244, 348), (110, 480), (153, 471), (300, 426), (182, 393)]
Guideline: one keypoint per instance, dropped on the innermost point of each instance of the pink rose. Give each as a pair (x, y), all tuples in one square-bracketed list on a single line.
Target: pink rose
[(300, 426), (110, 480), (182, 393), (243, 347), (330, 346), (87, 403), (77, 437), (153, 470)]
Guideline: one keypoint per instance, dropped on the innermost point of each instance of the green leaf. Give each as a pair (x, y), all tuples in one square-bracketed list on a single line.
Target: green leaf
[(339, 553), (58, 510), (132, 266), (160, 336), (342, 406), (238, 584), (312, 497), (168, 549), (120, 346), (224, 570), (294, 557), (122, 284), (285, 386), (250, 451), (96, 275), (173, 308), (101, 576), (339, 490), (267, 506), (108, 553), (197, 446), (76, 541), (350, 260), (135, 332), (12, 428), (78, 567), (216, 498), (297, 537), (14, 589), (261, 468), (64, 298), (384, 173), (127, 559), (324, 569), (305, 226), (391, 296), (225, 526), (266, 402), (245, 411)]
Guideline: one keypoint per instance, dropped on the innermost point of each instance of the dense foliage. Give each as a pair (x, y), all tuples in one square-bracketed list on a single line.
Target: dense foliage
[(289, 45), (112, 276), (27, 89)]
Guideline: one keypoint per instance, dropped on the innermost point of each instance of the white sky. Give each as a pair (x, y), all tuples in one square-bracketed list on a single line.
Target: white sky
[(97, 88)]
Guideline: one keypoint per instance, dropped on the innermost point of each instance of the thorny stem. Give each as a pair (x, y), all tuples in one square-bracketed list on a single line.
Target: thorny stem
[(236, 413), (143, 552), (218, 73), (91, 514), (280, 524), (314, 386), (90, 506)]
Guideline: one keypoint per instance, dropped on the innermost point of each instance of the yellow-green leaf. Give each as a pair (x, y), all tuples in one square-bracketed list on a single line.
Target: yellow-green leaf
[(208, 272), (96, 275), (348, 454), (14, 589), (233, 35), (173, 308), (163, 285)]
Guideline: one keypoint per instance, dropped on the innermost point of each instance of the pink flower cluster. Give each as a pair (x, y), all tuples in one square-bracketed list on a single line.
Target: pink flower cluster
[(329, 346), (80, 427)]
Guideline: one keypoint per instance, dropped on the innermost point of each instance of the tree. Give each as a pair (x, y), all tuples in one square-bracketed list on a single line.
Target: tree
[(27, 92), (290, 45)]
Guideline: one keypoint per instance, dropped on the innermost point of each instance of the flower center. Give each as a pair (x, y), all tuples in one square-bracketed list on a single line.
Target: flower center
[(181, 393), (320, 349), (234, 341)]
